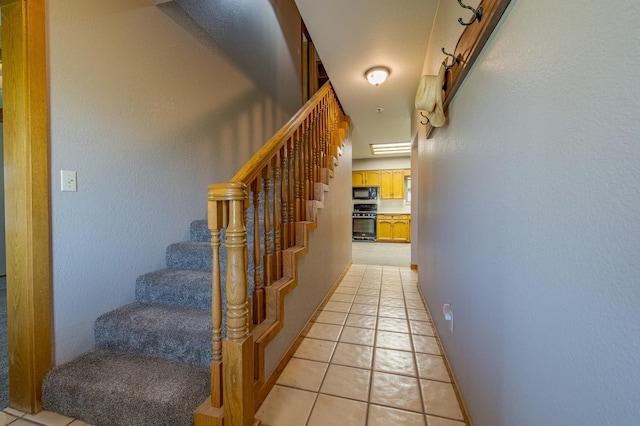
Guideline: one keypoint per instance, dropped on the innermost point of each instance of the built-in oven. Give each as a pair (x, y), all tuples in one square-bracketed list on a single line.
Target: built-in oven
[(365, 192), (364, 222)]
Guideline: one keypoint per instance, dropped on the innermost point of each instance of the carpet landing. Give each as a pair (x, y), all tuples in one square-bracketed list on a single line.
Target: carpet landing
[(150, 364)]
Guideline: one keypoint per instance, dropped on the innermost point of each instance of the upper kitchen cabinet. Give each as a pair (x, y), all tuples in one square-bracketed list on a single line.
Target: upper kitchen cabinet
[(365, 178), (392, 184)]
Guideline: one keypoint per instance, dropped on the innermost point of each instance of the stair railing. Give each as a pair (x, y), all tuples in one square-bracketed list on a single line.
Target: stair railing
[(272, 193)]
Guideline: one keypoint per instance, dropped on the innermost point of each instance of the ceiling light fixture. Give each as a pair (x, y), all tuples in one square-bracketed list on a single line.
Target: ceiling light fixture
[(377, 75), (401, 148)]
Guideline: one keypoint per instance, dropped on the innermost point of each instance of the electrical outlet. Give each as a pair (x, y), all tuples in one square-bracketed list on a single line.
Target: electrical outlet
[(448, 315), (68, 181)]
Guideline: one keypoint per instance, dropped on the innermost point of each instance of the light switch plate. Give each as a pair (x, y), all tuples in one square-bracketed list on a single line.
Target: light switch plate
[(68, 181)]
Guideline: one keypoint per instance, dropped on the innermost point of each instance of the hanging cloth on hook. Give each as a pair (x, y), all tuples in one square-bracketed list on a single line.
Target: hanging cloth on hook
[(429, 97)]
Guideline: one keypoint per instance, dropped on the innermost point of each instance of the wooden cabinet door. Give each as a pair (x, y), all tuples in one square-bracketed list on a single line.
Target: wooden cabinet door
[(372, 178), (357, 178), (401, 230), (397, 184), (385, 229), (386, 184)]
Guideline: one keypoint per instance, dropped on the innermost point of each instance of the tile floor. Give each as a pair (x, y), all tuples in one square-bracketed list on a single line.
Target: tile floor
[(12, 417), (370, 357)]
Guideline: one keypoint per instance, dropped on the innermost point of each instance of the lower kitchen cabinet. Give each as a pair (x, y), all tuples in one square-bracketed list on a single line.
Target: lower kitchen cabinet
[(394, 228)]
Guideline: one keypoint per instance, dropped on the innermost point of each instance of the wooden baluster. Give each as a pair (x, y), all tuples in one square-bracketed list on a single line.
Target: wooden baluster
[(258, 293), (217, 220), (316, 150), (291, 175), (268, 249), (284, 197), (276, 216), (298, 174)]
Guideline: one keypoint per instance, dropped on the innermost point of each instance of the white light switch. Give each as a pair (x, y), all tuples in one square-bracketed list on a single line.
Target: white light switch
[(68, 181)]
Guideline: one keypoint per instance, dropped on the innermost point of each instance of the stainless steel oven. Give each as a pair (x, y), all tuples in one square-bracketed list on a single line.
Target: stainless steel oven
[(364, 222)]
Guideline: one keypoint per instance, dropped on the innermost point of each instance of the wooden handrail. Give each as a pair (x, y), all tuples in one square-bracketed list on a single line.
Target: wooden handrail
[(279, 184)]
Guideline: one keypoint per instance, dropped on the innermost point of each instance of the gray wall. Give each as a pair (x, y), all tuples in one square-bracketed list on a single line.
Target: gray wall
[(530, 218), (148, 110)]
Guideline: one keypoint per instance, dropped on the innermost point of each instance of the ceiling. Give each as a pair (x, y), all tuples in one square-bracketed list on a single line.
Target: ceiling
[(351, 36)]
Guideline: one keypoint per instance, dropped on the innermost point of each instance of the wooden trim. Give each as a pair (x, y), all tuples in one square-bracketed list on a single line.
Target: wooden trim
[(414, 266), (471, 42), (27, 222)]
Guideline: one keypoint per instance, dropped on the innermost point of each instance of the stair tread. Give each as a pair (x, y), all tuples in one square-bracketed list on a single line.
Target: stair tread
[(171, 332), (182, 287), (151, 391)]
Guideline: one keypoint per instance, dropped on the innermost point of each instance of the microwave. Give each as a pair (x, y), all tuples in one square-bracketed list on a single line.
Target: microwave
[(365, 192)]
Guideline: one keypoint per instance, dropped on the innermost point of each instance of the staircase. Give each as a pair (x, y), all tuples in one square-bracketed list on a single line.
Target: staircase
[(151, 358), (190, 349)]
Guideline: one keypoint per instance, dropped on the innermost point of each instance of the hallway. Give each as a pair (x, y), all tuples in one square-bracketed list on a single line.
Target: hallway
[(369, 358)]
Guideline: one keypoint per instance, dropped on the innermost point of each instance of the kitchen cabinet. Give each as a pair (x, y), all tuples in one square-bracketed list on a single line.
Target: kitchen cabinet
[(394, 228), (392, 184), (365, 178)]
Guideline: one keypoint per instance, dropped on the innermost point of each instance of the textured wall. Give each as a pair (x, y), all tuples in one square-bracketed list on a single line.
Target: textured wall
[(530, 218), (148, 110)]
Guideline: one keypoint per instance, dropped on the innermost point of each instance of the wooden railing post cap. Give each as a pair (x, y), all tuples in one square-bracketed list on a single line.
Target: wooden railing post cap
[(227, 191)]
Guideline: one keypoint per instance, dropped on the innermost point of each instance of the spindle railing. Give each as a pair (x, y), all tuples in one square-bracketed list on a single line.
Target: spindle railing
[(264, 212)]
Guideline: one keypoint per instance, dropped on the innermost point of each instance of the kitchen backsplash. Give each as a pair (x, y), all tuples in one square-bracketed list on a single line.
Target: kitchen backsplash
[(393, 206)]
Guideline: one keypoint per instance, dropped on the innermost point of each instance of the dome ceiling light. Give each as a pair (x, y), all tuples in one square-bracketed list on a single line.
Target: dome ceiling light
[(377, 75)]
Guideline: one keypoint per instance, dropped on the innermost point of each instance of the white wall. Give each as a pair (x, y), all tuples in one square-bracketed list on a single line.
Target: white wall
[(531, 218), (382, 163), (148, 110)]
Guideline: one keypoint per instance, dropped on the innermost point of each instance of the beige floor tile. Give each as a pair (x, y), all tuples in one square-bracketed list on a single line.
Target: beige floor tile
[(410, 294), (418, 315), (440, 399), (392, 312), (346, 290), (363, 309), (370, 284), (362, 321), (385, 416), (341, 297), (48, 418), (328, 317), (303, 374), (422, 327), (5, 419), (366, 300), (391, 340), (337, 306), (330, 410), (315, 350), (371, 292), (347, 382), (352, 283), (426, 344), (392, 293), (358, 336), (439, 421), (432, 367), (392, 361), (353, 355), (324, 331), (286, 407), (397, 303), (23, 422), (418, 305), (13, 412), (393, 324), (396, 391)]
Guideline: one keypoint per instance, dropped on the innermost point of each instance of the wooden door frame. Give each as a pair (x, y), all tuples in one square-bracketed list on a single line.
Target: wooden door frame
[(27, 200)]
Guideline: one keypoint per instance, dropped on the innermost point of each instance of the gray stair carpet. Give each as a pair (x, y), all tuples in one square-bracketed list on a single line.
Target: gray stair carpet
[(150, 364)]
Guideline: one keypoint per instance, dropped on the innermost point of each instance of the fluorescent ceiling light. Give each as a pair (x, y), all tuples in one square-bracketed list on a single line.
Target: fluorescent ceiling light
[(390, 148), (377, 75)]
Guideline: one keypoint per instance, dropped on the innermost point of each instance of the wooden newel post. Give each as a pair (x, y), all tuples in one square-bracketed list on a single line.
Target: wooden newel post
[(237, 348)]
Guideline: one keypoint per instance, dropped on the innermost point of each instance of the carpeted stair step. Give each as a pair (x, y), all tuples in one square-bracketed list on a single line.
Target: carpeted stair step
[(181, 287), (107, 388), (199, 231), (190, 255), (170, 332)]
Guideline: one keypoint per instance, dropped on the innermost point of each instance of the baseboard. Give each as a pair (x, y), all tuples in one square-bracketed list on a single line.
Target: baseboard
[(414, 266)]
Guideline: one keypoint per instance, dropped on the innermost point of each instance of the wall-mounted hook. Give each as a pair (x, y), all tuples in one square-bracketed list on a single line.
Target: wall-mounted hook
[(424, 116), (454, 59), (477, 14)]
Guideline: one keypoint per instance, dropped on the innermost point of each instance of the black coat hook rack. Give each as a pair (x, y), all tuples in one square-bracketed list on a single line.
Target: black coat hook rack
[(477, 14), (424, 116), (454, 59)]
